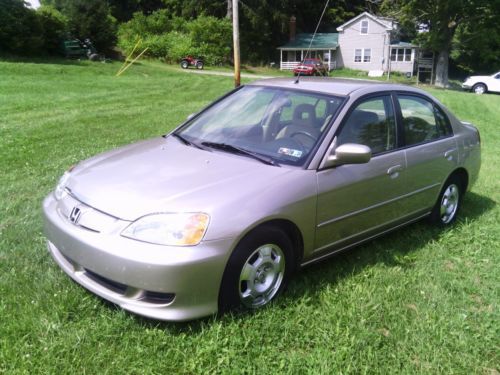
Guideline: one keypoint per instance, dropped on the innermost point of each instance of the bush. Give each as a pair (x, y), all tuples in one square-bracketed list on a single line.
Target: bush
[(21, 31), (174, 38), (54, 26), (91, 19)]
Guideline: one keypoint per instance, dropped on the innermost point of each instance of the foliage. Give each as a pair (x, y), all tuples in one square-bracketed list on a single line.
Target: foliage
[(173, 38), (21, 31), (476, 44), (92, 19), (417, 301), (88, 19), (440, 21), (54, 26)]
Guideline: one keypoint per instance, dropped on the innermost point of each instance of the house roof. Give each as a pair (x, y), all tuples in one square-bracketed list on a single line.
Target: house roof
[(383, 21), (403, 44), (321, 41)]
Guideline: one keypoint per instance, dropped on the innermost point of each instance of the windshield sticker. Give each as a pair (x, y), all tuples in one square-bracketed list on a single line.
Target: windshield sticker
[(290, 152)]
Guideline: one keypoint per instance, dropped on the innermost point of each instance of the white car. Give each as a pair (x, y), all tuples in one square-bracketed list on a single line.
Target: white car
[(482, 84)]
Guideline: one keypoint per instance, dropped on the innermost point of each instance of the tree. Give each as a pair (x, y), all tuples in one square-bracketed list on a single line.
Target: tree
[(88, 19), (54, 26), (20, 29), (440, 20), (476, 44)]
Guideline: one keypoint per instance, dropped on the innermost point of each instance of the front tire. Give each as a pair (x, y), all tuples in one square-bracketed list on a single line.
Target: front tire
[(199, 65), (479, 88), (449, 202), (184, 64), (258, 270)]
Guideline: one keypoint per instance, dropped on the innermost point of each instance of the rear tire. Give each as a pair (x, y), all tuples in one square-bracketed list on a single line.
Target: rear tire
[(258, 270), (449, 202), (184, 64), (479, 88), (199, 65)]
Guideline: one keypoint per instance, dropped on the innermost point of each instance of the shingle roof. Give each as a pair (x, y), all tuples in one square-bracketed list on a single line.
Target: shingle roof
[(402, 44), (321, 41)]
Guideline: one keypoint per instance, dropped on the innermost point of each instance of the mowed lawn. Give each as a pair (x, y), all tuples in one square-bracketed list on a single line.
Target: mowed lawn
[(419, 300)]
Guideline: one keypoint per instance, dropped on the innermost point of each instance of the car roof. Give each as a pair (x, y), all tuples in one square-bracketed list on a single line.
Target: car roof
[(335, 86)]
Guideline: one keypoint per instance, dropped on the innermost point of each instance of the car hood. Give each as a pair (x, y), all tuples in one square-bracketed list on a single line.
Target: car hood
[(165, 175)]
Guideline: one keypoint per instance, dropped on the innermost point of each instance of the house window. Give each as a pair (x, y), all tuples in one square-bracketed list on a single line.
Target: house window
[(357, 55), (401, 54), (367, 55), (408, 54), (362, 55), (364, 27)]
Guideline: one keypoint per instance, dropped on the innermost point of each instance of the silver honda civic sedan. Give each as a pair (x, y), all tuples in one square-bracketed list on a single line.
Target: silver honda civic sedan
[(273, 176)]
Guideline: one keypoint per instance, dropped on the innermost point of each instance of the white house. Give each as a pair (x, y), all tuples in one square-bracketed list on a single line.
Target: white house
[(366, 42)]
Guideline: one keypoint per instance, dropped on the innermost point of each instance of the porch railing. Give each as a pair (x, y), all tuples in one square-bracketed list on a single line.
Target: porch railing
[(290, 65)]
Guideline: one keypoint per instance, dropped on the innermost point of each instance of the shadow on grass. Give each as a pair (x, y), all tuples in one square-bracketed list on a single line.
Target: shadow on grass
[(387, 249)]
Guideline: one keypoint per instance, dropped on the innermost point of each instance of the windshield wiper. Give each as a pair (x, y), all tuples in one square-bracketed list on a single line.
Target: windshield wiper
[(242, 151), (186, 142)]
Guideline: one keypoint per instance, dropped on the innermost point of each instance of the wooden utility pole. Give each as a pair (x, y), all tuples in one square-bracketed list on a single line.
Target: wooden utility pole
[(236, 44)]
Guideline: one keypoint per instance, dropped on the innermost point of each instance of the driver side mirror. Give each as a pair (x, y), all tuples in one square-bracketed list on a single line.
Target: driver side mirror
[(349, 153)]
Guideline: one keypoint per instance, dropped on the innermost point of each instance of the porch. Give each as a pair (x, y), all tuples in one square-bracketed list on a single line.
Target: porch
[(323, 47)]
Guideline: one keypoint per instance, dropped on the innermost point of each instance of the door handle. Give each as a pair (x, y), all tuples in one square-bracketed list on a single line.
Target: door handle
[(394, 171), (449, 154)]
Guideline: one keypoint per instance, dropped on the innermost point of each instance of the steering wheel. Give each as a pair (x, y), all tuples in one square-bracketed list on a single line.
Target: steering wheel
[(302, 132)]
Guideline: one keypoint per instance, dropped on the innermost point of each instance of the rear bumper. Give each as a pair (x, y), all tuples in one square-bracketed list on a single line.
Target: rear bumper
[(160, 282)]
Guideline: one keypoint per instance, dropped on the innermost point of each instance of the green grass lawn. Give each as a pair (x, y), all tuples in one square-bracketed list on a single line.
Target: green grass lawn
[(420, 300)]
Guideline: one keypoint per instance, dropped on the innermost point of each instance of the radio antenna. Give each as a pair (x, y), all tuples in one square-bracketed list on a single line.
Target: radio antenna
[(314, 35)]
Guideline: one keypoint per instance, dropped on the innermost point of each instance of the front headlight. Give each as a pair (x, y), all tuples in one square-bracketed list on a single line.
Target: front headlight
[(171, 229), (60, 189)]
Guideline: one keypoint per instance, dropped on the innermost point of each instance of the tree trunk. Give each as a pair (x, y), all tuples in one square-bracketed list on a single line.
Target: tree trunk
[(442, 69), (229, 14)]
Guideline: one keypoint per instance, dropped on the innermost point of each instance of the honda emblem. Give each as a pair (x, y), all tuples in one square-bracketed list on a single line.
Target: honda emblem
[(75, 214)]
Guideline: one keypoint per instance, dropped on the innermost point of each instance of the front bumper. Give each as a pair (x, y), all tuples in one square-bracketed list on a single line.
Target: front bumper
[(160, 282), (466, 86)]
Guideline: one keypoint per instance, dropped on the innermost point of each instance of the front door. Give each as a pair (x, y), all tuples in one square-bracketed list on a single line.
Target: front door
[(357, 200)]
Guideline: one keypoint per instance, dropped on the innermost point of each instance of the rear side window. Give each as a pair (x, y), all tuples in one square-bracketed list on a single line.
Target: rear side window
[(422, 120), (372, 124)]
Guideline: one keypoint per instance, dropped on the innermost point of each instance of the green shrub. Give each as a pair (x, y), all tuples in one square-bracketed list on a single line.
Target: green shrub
[(172, 38), (21, 31), (91, 19), (54, 26)]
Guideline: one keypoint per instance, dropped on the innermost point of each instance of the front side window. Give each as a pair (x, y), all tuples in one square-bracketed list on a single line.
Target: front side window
[(278, 124), (371, 123), (422, 120)]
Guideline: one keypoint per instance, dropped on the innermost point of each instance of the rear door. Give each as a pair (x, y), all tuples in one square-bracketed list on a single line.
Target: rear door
[(431, 150)]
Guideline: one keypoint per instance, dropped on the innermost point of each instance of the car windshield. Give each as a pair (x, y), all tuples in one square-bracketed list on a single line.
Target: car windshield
[(275, 125)]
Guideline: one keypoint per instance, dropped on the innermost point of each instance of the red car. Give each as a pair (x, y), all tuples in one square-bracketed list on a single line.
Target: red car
[(311, 67)]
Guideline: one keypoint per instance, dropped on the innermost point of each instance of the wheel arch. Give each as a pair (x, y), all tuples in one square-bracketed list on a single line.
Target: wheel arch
[(463, 175), (480, 83), (290, 229)]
